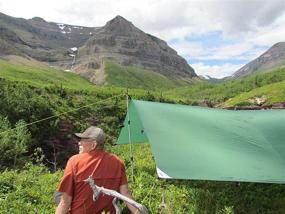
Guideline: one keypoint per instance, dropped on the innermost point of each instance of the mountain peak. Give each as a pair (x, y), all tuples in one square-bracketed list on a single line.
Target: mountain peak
[(119, 41), (279, 45), (120, 18), (119, 26), (274, 57), (38, 19)]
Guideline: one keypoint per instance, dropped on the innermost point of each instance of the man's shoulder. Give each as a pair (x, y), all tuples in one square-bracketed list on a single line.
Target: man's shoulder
[(114, 157), (108, 156), (73, 158)]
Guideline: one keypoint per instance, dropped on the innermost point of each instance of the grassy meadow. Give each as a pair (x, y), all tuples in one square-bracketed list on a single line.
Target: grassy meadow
[(131, 77)]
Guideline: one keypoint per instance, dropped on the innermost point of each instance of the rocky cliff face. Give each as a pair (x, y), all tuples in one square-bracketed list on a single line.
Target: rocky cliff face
[(44, 41), (119, 40), (272, 58), (84, 49), (42, 34)]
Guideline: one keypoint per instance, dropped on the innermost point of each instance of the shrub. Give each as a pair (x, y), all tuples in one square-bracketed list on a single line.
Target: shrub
[(13, 143)]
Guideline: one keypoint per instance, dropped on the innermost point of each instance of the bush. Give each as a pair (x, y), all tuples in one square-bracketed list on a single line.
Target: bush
[(28, 191), (13, 143)]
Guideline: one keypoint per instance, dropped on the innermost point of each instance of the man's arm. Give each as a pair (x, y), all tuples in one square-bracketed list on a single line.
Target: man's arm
[(64, 204), (124, 190)]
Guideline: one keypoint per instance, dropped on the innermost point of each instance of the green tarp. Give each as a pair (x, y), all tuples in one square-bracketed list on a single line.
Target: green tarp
[(210, 144)]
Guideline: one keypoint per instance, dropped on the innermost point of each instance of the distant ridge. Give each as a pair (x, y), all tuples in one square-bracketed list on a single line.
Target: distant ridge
[(84, 49), (272, 58)]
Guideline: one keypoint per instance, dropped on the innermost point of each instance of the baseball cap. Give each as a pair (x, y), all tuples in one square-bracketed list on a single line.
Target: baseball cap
[(93, 133)]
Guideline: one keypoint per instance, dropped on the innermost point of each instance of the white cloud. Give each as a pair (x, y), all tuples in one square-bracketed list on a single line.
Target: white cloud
[(271, 34), (249, 23), (237, 51), (190, 50), (234, 16), (163, 18), (216, 71)]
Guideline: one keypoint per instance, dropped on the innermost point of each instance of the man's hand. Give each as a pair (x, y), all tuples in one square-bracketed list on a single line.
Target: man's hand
[(124, 190), (64, 204)]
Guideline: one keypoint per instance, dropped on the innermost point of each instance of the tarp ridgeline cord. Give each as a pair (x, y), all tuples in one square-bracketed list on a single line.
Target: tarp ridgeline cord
[(57, 115)]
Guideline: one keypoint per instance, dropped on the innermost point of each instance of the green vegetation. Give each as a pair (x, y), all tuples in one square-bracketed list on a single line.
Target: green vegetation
[(273, 93), (43, 77), (28, 191), (139, 80), (31, 190), (13, 144), (219, 93), (131, 77), (32, 157)]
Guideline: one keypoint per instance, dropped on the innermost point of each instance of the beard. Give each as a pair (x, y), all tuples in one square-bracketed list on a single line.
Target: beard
[(80, 149)]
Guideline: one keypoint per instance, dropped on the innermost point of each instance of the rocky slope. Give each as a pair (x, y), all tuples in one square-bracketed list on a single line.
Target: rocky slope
[(120, 41), (272, 58), (45, 41), (84, 49)]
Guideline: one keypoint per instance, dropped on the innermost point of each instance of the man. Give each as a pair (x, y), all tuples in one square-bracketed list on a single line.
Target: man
[(106, 169)]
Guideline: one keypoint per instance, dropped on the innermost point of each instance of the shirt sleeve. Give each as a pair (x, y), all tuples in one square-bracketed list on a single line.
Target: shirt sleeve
[(124, 179), (67, 182)]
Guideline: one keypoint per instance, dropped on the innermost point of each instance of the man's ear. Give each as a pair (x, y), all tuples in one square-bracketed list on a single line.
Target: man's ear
[(94, 145)]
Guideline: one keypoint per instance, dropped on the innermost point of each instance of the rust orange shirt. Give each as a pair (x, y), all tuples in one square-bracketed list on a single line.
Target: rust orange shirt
[(109, 172)]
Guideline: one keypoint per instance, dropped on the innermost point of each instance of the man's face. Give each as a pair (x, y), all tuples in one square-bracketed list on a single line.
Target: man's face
[(86, 145)]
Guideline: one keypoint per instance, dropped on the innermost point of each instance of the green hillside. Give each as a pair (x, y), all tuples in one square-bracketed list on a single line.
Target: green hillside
[(43, 77), (131, 77), (234, 92), (273, 93), (218, 93)]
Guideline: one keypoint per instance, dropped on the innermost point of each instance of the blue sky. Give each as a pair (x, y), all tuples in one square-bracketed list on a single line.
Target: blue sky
[(216, 37), (211, 42)]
